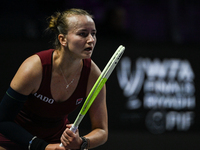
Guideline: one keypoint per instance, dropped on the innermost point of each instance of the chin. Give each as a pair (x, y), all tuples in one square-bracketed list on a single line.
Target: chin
[(87, 55)]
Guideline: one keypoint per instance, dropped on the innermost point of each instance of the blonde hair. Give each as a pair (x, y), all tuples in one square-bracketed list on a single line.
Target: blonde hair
[(58, 22)]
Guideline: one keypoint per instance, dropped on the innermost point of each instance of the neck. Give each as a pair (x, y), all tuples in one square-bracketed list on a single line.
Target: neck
[(67, 64)]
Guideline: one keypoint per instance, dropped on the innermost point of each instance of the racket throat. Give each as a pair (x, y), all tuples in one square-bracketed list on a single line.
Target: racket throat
[(78, 120)]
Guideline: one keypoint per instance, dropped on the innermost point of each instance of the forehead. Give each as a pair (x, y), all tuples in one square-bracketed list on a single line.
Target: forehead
[(80, 21)]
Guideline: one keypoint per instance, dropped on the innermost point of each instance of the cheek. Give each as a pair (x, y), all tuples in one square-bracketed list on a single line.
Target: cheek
[(75, 43), (79, 43), (76, 46)]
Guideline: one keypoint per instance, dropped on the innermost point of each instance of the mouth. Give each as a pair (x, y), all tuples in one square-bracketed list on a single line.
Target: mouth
[(88, 49)]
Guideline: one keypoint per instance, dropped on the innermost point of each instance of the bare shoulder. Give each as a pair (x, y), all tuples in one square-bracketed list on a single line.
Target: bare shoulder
[(98, 110), (28, 77)]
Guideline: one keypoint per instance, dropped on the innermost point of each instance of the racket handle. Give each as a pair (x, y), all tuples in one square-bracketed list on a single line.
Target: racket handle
[(73, 129)]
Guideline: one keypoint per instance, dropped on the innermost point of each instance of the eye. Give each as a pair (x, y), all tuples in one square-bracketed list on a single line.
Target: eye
[(93, 34), (83, 34)]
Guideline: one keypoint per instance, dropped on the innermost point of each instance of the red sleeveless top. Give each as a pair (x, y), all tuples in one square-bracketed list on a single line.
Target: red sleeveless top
[(42, 115)]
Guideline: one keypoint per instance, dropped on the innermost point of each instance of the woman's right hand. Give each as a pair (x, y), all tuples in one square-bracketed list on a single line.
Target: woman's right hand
[(54, 147)]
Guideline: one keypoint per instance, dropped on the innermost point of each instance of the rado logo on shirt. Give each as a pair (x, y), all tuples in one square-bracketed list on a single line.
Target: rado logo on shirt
[(44, 98)]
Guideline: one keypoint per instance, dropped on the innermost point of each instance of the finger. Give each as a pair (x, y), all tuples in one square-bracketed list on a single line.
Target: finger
[(69, 133), (64, 140), (69, 125)]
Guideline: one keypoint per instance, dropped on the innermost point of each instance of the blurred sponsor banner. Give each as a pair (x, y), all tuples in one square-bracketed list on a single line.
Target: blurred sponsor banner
[(158, 94)]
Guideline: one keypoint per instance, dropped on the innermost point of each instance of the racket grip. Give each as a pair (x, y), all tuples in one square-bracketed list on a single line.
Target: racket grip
[(73, 129)]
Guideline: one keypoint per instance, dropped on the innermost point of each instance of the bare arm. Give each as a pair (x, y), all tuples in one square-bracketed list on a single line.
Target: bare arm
[(26, 81), (28, 77), (97, 112)]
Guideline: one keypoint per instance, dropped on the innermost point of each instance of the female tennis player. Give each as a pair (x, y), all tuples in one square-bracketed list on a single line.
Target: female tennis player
[(51, 84)]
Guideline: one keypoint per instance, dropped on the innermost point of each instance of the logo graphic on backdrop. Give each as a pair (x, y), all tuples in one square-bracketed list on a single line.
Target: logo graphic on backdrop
[(168, 91)]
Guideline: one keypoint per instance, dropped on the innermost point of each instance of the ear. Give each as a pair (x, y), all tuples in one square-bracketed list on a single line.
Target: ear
[(62, 39)]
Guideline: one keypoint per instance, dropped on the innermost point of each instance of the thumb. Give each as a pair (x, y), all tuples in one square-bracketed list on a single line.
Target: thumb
[(69, 125)]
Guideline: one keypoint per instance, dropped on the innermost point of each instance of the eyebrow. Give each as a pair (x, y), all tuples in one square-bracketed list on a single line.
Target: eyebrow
[(87, 30)]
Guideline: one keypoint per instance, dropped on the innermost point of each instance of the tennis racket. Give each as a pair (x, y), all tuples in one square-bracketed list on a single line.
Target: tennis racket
[(97, 87)]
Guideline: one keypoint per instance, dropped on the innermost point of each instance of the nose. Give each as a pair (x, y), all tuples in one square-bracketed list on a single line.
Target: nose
[(91, 38)]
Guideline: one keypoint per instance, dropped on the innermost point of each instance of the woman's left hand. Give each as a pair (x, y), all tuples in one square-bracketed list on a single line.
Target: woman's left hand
[(69, 139)]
